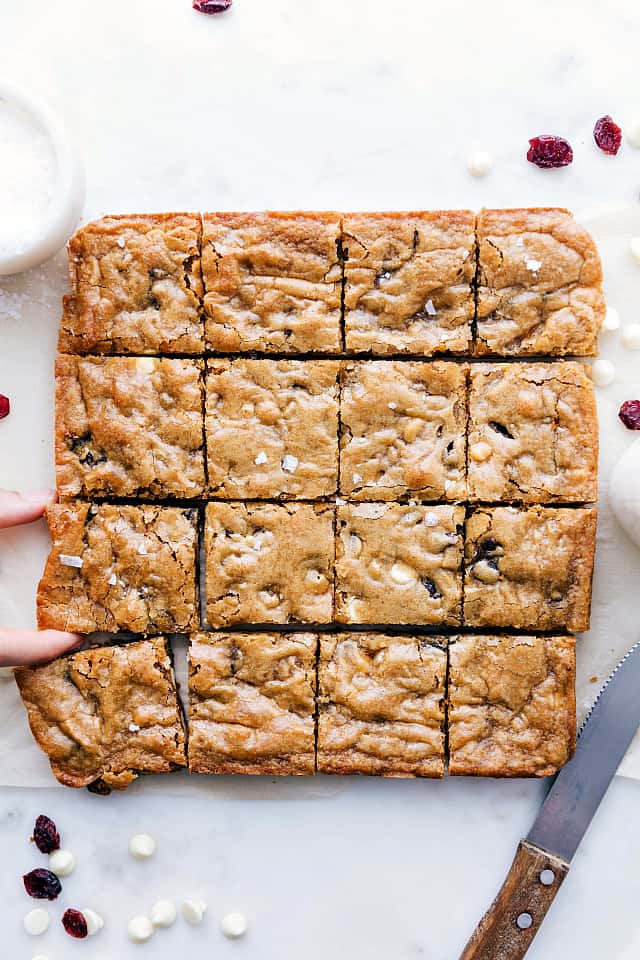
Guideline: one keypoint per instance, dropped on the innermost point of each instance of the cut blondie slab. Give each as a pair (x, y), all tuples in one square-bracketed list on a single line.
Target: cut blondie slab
[(136, 286), (269, 563), (403, 429), (533, 433), (272, 428), (105, 715), (252, 703), (116, 568), (381, 705), (129, 427), (398, 563), (539, 284), (273, 282), (409, 281), (529, 568), (512, 705)]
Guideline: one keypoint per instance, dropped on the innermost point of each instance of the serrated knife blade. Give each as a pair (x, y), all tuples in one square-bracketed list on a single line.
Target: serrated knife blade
[(543, 857)]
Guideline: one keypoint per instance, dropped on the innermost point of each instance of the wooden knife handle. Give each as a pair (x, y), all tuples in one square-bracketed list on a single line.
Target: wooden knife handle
[(513, 919)]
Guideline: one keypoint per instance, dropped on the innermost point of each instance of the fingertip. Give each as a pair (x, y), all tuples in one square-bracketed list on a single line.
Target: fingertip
[(44, 496)]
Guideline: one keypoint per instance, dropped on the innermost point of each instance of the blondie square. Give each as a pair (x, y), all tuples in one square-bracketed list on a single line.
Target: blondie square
[(269, 563), (529, 568), (273, 282), (117, 568), (512, 705), (252, 703), (129, 427), (381, 705), (403, 429), (539, 284), (272, 428), (136, 286), (105, 715), (409, 281), (398, 563), (533, 433)]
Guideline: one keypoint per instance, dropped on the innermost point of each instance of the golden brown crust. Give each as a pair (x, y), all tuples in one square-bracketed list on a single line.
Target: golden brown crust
[(533, 433), (272, 428), (106, 714), (512, 708), (136, 286), (129, 427), (269, 563), (529, 568), (398, 563), (539, 284), (252, 703), (409, 281), (403, 427), (118, 568), (273, 281), (381, 705)]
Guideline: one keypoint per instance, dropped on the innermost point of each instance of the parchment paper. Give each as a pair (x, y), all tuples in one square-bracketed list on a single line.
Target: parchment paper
[(29, 316)]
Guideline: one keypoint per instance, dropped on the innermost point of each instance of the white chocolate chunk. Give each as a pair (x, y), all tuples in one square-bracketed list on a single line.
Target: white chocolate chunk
[(634, 247), (163, 913), (611, 320), (631, 335), (486, 572), (36, 922), (70, 560), (632, 131), (95, 923), (479, 163), (62, 862), (602, 372), (431, 519), (142, 846), (193, 911), (234, 925), (480, 451), (146, 364), (139, 929), (402, 572)]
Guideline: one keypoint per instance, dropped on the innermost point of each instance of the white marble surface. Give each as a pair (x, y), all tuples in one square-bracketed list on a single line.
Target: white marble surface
[(360, 104)]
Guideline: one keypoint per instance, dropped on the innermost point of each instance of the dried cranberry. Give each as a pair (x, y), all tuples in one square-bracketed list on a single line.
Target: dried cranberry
[(45, 835), (42, 884), (607, 135), (547, 152), (5, 406), (629, 413), (211, 6), (75, 924)]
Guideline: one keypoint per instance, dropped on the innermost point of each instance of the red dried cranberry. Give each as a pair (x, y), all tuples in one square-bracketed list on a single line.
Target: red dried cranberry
[(5, 406), (629, 413), (607, 135), (547, 152), (42, 884), (211, 6), (45, 835), (75, 924)]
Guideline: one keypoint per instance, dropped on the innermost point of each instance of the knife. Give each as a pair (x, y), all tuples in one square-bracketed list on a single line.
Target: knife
[(543, 857)]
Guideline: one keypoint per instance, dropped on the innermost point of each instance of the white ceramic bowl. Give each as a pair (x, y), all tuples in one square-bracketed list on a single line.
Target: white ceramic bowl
[(68, 190)]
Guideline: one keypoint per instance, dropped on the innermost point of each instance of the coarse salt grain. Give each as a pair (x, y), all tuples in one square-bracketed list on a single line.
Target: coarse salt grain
[(261, 458), (357, 478), (289, 464), (533, 265), (431, 519), (69, 560), (133, 728), (142, 550), (392, 405), (112, 580), (429, 307)]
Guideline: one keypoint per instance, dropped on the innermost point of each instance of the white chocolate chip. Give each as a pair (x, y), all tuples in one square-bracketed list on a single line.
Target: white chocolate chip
[(611, 320), (632, 131), (402, 573), (139, 929), (631, 335), (479, 163), (269, 599), (62, 862), (95, 923), (133, 728), (163, 913), (486, 572), (36, 922), (146, 364), (70, 560), (480, 451), (431, 519), (602, 372), (142, 846), (392, 405), (261, 458), (193, 911), (234, 925), (429, 307), (289, 464), (533, 265), (634, 247)]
